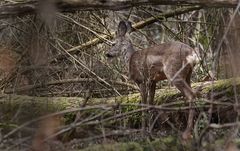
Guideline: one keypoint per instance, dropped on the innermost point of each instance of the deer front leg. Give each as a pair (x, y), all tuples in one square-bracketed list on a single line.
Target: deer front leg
[(143, 92), (150, 100), (151, 92), (144, 96)]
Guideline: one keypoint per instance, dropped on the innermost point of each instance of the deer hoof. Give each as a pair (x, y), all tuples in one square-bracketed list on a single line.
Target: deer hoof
[(186, 135)]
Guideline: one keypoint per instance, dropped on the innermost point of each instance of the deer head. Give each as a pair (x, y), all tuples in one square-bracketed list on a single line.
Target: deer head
[(122, 45)]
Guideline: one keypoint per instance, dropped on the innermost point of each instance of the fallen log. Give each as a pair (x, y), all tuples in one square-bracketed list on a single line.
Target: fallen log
[(216, 90)]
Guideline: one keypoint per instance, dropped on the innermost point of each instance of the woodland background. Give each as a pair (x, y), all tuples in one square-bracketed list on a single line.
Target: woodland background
[(60, 92)]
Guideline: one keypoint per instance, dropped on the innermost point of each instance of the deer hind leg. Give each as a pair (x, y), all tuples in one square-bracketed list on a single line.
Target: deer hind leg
[(182, 82), (187, 133), (183, 86), (188, 78)]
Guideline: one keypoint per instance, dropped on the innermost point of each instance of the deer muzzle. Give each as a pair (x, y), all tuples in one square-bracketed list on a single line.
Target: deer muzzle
[(109, 55)]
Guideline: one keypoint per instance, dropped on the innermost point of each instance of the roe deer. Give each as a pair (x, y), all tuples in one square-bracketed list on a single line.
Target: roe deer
[(173, 61)]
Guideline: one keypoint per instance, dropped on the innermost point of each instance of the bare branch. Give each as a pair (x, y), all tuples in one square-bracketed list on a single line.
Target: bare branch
[(138, 25)]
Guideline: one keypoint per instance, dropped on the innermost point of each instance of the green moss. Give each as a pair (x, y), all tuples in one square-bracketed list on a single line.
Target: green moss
[(227, 85), (166, 95), (170, 143), (25, 108), (7, 126), (132, 98)]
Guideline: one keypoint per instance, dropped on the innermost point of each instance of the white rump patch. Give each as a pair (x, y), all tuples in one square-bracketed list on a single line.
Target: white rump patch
[(192, 59)]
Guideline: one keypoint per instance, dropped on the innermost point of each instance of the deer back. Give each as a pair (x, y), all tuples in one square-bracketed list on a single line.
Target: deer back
[(155, 63)]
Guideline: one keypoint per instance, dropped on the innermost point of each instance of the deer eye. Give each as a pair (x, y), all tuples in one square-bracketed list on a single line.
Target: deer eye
[(114, 43)]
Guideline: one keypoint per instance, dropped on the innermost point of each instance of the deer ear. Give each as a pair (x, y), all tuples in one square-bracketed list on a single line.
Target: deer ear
[(129, 26), (122, 28)]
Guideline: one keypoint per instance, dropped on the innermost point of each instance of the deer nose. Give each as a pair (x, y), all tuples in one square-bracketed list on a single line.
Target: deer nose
[(108, 55)]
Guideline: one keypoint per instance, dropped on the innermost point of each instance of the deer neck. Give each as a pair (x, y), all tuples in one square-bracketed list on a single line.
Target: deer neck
[(128, 53)]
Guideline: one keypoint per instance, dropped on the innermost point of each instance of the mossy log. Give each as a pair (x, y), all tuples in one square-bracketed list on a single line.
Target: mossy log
[(30, 107)]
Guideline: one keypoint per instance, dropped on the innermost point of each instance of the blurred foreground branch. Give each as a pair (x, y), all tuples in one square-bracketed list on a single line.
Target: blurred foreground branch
[(31, 7)]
